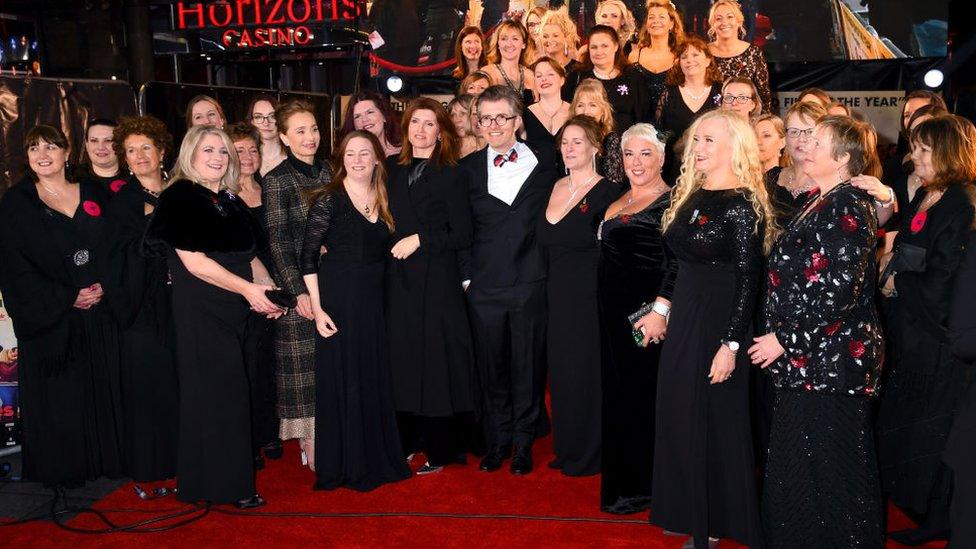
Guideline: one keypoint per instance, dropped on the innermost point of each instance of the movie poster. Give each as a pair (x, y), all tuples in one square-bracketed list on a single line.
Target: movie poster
[(9, 410)]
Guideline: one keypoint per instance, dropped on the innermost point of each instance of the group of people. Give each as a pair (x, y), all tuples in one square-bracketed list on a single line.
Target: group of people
[(706, 290)]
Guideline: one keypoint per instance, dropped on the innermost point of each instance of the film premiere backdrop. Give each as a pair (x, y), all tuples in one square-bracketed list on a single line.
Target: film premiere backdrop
[(880, 48)]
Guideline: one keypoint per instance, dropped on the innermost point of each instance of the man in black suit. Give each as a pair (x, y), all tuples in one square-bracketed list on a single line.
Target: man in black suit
[(510, 186)]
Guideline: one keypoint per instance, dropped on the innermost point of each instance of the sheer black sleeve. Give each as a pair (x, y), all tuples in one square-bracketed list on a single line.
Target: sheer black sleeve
[(760, 77), (745, 247), (659, 108), (612, 161), (319, 218)]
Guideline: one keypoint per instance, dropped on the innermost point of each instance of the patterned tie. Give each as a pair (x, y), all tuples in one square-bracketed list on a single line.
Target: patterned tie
[(501, 159)]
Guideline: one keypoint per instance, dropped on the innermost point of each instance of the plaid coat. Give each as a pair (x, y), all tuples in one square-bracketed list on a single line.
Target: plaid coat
[(284, 216)]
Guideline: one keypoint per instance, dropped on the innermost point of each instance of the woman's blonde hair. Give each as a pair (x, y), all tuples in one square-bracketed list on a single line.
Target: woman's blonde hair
[(493, 54), (627, 23), (677, 33), (591, 87), (188, 148), (745, 165), (736, 11), (780, 127), (561, 19)]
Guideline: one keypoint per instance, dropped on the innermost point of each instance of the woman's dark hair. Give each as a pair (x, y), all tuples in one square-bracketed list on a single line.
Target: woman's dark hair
[(200, 98), (47, 134), (392, 129), (98, 122), (676, 77), (240, 131), (822, 97), (338, 180), (619, 61), (932, 109), (591, 128), (447, 148), (953, 142), (461, 70), (930, 96), (260, 97), (556, 67), (150, 126)]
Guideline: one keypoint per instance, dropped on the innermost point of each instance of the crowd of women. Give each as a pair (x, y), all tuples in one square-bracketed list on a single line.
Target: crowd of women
[(707, 290)]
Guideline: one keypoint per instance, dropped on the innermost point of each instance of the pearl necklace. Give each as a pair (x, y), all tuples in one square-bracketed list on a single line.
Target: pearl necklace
[(695, 96), (606, 76)]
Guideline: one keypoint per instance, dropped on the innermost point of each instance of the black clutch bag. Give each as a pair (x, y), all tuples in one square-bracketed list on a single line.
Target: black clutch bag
[(906, 258), (634, 317), (281, 298)]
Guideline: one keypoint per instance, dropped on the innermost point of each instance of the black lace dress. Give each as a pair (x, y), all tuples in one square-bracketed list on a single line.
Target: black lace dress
[(703, 462), (630, 272), (750, 64), (356, 439), (610, 164), (821, 487)]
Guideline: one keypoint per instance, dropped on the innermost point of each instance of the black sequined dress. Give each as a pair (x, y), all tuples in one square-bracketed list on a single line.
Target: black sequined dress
[(703, 481)]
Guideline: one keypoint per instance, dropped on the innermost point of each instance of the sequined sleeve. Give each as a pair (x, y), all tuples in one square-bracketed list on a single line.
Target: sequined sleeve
[(745, 249), (319, 218)]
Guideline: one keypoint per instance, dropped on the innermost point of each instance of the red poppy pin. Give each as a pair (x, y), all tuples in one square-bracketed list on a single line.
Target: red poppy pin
[(702, 219), (116, 185), (848, 224), (832, 328), (584, 207), (91, 208), (919, 221), (625, 218), (856, 348)]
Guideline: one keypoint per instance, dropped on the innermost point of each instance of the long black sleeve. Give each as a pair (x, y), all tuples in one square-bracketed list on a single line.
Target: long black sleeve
[(962, 311), (319, 219), (459, 231), (746, 252)]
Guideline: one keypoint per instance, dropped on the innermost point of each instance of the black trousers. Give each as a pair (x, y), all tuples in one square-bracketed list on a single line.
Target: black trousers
[(509, 327)]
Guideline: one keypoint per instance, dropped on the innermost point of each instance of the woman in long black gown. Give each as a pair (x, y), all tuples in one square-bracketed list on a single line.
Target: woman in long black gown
[(356, 431), (545, 117), (823, 346), (207, 236), (717, 228), (56, 246), (567, 236), (924, 380), (431, 352), (630, 272), (149, 386)]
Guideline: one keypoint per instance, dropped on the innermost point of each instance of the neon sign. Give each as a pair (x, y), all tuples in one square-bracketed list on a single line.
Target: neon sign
[(261, 23)]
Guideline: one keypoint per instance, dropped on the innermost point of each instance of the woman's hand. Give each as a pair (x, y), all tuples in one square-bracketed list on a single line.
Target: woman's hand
[(323, 323), (304, 307), (406, 246), (766, 350), (888, 290), (654, 326), (89, 297), (254, 294), (722, 365), (874, 187)]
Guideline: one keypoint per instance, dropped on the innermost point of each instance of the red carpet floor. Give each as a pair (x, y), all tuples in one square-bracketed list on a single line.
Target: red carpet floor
[(545, 495)]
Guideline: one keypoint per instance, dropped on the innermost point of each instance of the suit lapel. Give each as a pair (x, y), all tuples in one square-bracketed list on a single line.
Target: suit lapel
[(530, 180)]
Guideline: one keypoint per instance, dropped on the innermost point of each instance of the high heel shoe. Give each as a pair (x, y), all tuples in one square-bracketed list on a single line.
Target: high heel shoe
[(250, 503)]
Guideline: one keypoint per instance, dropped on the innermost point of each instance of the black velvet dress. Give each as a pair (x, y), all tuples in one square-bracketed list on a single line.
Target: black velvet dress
[(215, 458), (431, 352), (573, 331), (924, 380), (630, 273), (150, 391), (356, 438), (703, 462), (69, 358)]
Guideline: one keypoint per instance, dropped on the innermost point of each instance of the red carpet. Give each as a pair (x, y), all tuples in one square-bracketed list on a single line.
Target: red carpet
[(462, 490)]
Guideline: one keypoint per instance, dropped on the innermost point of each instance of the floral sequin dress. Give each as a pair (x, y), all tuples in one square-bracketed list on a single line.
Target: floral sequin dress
[(822, 487)]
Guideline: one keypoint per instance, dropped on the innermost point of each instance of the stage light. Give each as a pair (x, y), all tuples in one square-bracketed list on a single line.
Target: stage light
[(394, 83), (934, 78)]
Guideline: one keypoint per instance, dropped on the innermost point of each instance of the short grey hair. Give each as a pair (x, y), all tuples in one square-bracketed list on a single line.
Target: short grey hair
[(501, 93), (642, 130)]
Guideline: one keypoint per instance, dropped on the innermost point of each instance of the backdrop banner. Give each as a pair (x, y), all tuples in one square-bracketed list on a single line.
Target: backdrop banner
[(67, 104)]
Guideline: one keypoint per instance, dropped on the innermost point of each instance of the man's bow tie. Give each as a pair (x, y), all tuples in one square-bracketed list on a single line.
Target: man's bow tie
[(501, 159)]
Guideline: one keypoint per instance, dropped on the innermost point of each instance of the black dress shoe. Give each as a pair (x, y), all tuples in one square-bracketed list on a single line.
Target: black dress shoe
[(522, 460), (250, 503), (497, 455), (273, 450)]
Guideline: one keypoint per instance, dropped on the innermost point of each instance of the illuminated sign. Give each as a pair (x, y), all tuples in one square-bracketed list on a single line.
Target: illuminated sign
[(262, 23)]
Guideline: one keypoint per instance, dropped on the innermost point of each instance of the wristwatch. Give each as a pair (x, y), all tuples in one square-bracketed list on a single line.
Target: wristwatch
[(732, 345)]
